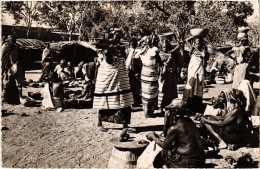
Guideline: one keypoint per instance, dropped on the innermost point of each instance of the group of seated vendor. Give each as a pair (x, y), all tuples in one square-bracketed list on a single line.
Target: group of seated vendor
[(64, 70), (183, 143)]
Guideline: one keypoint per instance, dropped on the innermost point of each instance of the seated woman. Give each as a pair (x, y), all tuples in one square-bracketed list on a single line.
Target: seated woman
[(78, 70), (89, 70), (230, 128), (182, 146), (60, 70), (68, 70)]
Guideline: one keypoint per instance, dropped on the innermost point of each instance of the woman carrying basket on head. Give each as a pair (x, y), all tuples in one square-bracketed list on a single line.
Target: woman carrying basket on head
[(195, 79), (113, 97)]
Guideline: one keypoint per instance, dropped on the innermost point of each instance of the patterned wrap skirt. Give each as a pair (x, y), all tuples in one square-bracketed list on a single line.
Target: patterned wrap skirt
[(149, 87), (113, 96)]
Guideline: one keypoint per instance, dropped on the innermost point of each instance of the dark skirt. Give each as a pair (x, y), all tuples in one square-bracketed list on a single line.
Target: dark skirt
[(135, 85), (119, 116), (231, 134), (10, 95), (174, 160)]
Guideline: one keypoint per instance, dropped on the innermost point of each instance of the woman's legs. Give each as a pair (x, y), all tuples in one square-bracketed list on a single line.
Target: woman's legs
[(222, 144), (99, 124)]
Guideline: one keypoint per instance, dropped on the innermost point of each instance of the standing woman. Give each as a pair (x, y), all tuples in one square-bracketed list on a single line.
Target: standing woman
[(134, 66), (149, 76), (47, 63), (113, 96), (195, 80), (241, 55), (12, 72), (167, 80)]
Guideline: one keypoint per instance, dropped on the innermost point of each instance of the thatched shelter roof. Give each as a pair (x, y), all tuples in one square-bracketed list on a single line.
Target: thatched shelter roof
[(73, 51), (58, 46), (30, 43)]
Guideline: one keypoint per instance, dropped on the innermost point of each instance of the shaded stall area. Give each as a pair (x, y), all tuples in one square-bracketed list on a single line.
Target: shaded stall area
[(30, 52), (73, 52)]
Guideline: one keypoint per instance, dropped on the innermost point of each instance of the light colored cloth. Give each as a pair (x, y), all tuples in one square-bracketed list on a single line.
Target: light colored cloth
[(230, 106), (58, 69), (130, 58), (46, 52), (146, 159), (61, 72), (195, 79), (112, 86), (46, 94), (210, 111), (240, 72), (149, 58), (249, 93), (238, 53)]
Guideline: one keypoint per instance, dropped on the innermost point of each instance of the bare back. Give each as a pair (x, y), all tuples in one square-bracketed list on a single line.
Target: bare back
[(187, 138)]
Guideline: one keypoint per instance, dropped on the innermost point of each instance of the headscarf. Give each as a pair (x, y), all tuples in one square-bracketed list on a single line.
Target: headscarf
[(177, 107), (237, 96)]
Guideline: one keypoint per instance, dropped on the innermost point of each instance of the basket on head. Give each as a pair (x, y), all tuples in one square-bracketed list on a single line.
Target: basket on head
[(199, 32), (243, 29), (241, 36)]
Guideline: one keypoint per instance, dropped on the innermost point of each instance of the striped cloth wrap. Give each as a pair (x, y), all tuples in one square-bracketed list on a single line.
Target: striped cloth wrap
[(149, 80), (149, 75), (112, 86)]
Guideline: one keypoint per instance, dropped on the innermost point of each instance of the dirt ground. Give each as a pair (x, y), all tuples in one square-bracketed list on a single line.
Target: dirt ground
[(36, 138)]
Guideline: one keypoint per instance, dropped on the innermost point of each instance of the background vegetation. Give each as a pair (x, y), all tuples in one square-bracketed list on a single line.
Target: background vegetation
[(93, 19)]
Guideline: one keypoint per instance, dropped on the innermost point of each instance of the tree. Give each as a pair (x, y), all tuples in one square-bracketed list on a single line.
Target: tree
[(223, 19), (26, 11), (73, 16)]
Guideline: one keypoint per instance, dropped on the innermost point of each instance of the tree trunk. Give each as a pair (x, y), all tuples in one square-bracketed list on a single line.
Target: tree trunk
[(80, 33), (70, 37), (28, 31)]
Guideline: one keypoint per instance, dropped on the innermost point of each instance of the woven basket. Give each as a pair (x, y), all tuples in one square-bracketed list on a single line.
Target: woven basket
[(123, 158)]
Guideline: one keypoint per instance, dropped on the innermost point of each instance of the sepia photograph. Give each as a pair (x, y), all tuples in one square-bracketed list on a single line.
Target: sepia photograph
[(130, 84)]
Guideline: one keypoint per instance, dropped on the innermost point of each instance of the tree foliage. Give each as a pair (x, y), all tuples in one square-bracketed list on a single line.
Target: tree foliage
[(92, 19), (26, 11)]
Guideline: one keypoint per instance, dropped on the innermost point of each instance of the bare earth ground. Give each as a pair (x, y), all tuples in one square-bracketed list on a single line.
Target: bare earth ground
[(36, 138)]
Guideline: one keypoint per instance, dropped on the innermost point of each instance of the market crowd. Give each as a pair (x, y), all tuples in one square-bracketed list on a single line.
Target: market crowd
[(146, 74)]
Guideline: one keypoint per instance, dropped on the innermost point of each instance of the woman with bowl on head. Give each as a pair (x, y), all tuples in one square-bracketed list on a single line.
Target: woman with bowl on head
[(195, 79)]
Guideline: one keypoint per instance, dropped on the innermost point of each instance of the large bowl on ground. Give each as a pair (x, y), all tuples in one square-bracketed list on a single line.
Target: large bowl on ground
[(199, 32)]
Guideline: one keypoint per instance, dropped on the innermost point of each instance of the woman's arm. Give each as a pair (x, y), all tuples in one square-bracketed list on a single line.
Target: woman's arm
[(108, 56), (227, 119), (217, 117), (189, 43), (168, 141), (177, 47)]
